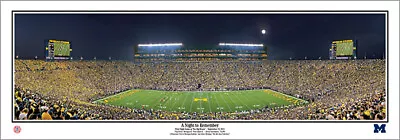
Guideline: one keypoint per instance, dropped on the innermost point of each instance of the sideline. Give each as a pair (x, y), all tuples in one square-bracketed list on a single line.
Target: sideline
[(289, 96), (94, 102)]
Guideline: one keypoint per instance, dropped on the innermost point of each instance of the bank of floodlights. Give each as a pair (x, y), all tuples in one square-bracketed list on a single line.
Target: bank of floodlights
[(247, 45), (160, 45)]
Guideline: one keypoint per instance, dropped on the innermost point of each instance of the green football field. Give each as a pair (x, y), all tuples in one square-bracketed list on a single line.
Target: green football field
[(204, 101)]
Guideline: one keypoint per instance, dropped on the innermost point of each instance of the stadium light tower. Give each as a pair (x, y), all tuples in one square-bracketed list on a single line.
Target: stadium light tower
[(160, 45), (365, 55), (234, 44), (263, 39)]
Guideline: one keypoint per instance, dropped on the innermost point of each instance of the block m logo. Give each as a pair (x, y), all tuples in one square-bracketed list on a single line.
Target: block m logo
[(378, 128)]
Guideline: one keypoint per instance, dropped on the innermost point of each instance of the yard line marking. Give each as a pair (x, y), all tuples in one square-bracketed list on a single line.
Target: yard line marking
[(183, 103), (216, 101), (201, 100), (174, 97), (157, 102), (191, 104), (258, 100), (242, 101), (145, 100), (232, 100), (226, 103), (131, 98), (138, 102), (155, 94), (168, 102), (262, 101), (208, 100), (246, 96)]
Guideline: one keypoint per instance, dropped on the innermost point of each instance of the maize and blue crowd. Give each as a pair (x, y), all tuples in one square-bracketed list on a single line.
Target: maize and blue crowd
[(66, 90)]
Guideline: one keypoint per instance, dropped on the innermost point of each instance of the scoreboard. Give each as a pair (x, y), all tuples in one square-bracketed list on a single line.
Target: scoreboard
[(58, 49), (343, 49)]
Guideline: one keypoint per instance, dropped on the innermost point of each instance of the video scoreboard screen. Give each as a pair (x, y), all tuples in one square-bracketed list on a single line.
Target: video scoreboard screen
[(58, 49), (343, 49)]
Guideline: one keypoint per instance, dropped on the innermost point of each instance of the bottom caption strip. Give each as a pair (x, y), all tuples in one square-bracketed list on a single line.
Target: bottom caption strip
[(199, 129)]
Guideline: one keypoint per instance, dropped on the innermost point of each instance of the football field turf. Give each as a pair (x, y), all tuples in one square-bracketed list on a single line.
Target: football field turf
[(201, 101)]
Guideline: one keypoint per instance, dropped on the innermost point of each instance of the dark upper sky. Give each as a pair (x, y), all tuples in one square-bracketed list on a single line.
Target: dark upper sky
[(289, 35)]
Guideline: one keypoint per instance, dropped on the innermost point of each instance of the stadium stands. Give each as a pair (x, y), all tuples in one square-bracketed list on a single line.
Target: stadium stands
[(65, 90)]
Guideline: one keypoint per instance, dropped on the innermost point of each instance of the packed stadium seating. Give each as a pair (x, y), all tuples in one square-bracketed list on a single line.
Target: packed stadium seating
[(65, 90)]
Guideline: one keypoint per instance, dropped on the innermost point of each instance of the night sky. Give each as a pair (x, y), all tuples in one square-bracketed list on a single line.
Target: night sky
[(288, 35)]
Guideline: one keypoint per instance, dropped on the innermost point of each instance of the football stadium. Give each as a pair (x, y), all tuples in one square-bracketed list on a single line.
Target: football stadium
[(174, 81), (268, 90)]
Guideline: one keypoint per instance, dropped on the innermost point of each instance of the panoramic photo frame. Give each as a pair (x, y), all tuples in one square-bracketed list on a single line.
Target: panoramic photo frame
[(196, 99), (202, 93)]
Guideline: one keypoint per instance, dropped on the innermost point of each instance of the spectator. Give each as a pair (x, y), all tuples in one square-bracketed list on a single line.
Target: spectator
[(65, 90)]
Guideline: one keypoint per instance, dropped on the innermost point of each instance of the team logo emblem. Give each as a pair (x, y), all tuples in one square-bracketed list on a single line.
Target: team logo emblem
[(378, 128), (17, 129)]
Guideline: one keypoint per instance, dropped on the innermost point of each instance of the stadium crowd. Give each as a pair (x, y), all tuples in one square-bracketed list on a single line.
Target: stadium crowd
[(335, 90)]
